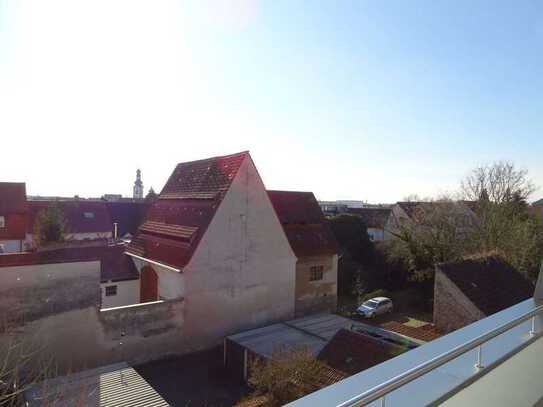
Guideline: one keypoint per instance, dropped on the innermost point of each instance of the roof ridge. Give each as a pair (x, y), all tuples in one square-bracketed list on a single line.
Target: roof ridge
[(214, 158)]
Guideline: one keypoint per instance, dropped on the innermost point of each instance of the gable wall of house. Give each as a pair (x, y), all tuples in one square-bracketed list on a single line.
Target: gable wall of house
[(316, 296), (242, 274), (452, 309), (397, 215)]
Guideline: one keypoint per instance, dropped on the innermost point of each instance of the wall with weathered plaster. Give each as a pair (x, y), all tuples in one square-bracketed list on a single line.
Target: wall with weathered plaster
[(128, 292), (316, 296), (54, 310), (242, 274), (452, 309)]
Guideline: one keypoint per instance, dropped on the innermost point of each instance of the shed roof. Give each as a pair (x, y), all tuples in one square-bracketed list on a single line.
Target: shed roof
[(489, 282), (177, 220), (307, 230)]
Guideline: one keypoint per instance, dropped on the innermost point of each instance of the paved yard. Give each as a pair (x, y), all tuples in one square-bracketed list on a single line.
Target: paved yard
[(194, 380)]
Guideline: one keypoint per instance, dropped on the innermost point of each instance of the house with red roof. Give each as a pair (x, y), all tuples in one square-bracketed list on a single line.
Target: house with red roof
[(86, 219), (212, 237), (314, 245), (13, 209)]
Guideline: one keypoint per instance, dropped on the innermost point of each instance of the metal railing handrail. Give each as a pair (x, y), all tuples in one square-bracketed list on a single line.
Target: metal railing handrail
[(381, 390)]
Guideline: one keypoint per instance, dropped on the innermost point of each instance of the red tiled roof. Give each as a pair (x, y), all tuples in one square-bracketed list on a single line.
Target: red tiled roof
[(161, 228), (74, 212), (490, 283), (177, 220), (307, 229), (351, 352), (426, 333), (12, 197), (372, 217), (115, 265)]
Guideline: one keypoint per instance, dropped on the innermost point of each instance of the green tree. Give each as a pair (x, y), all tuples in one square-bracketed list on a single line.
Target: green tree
[(50, 226)]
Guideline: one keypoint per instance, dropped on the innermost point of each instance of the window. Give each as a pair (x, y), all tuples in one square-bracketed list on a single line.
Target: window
[(111, 290), (315, 273), (2, 222), (88, 215)]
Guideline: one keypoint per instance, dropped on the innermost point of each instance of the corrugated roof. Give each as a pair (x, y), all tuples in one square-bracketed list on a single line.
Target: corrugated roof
[(108, 386), (307, 230)]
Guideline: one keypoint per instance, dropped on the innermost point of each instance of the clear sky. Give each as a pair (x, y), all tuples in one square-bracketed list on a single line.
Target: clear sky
[(371, 100)]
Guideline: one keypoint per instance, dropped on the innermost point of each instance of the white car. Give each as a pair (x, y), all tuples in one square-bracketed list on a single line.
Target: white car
[(375, 306)]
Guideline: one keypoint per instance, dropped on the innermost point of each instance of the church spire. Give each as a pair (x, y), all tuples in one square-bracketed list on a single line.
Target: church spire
[(138, 186)]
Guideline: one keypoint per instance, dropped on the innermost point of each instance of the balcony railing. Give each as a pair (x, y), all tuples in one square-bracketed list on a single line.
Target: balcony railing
[(424, 375)]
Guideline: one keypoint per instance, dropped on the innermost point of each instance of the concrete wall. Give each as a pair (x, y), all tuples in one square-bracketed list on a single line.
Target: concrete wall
[(242, 274), (452, 309), (54, 311), (12, 246), (128, 292), (316, 296)]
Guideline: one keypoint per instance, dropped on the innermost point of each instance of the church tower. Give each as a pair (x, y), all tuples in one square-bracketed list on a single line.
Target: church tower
[(138, 186)]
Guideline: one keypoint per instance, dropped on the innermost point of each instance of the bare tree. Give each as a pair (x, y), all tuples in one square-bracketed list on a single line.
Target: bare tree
[(499, 183)]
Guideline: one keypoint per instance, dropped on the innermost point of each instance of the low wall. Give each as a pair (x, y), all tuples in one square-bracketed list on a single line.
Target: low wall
[(53, 311)]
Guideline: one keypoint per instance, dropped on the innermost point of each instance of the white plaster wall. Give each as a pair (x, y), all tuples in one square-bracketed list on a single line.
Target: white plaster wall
[(128, 292), (12, 246), (378, 234), (171, 284), (242, 274)]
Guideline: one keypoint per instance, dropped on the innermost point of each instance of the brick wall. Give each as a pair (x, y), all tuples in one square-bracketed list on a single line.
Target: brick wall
[(452, 309)]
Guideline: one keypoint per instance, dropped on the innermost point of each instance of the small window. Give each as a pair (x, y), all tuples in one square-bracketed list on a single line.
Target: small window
[(2, 222), (111, 290), (316, 273), (88, 215)]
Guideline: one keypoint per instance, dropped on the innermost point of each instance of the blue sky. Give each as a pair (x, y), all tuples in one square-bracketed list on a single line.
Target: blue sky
[(350, 99)]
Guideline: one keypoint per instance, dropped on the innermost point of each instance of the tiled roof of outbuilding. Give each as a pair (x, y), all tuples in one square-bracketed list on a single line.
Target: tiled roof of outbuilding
[(177, 220), (307, 229), (490, 283), (352, 352), (115, 265)]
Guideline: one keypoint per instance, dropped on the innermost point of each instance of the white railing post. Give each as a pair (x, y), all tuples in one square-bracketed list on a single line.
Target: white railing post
[(479, 364)]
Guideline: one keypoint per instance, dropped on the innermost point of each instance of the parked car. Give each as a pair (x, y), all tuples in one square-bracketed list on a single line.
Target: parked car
[(375, 306)]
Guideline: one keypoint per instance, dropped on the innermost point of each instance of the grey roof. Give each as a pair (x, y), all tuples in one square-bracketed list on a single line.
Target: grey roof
[(311, 332), (112, 385)]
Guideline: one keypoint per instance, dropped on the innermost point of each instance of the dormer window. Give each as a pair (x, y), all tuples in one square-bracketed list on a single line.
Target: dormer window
[(88, 215), (2, 222)]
